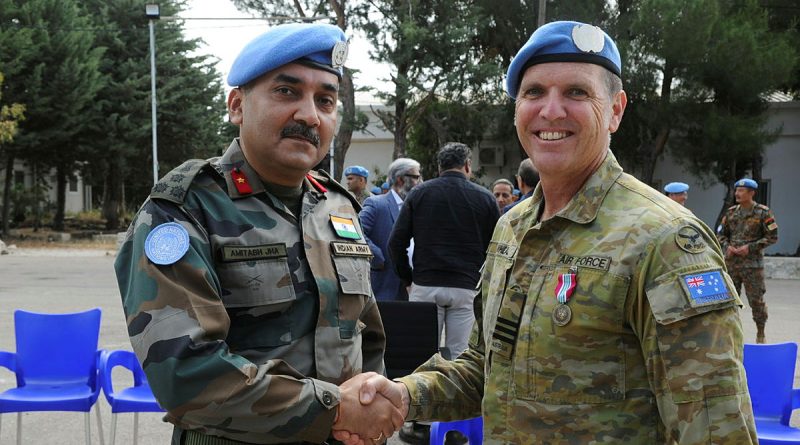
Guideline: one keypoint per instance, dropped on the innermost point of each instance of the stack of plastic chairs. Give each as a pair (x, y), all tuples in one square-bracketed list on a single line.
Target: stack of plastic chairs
[(55, 366), (770, 378), (135, 399)]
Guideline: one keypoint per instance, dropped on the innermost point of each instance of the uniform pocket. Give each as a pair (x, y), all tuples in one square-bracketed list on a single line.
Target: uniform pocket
[(354, 275), (583, 361), (256, 283)]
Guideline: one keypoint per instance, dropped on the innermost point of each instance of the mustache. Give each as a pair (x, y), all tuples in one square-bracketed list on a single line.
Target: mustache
[(304, 131)]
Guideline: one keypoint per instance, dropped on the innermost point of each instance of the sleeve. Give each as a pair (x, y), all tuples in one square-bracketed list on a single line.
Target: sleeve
[(684, 311), (769, 230), (444, 390), (399, 240), (178, 324), (368, 217), (373, 344), (724, 234)]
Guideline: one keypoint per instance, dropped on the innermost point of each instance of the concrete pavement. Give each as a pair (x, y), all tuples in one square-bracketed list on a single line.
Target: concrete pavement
[(71, 280)]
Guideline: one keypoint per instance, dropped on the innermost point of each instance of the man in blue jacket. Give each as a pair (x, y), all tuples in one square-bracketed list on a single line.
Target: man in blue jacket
[(377, 219)]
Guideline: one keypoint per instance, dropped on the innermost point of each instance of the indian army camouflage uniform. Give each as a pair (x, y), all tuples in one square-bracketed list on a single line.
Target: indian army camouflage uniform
[(248, 335), (757, 228), (646, 357), (361, 197)]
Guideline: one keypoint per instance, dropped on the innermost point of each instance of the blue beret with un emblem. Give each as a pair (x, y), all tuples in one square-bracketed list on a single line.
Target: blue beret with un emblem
[(356, 170), (564, 42), (676, 187), (318, 45), (747, 182)]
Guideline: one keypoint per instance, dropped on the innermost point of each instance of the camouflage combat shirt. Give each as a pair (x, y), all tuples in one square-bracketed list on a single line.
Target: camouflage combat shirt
[(755, 227), (361, 197), (644, 359), (248, 335)]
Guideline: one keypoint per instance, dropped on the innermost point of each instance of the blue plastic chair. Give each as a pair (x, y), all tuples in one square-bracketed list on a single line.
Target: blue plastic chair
[(770, 376), (471, 428), (55, 365), (134, 399)]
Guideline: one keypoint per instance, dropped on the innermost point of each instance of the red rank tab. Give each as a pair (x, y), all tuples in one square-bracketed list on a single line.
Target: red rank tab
[(240, 182), (316, 184)]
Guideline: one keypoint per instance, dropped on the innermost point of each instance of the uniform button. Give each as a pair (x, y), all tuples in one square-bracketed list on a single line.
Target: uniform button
[(327, 398)]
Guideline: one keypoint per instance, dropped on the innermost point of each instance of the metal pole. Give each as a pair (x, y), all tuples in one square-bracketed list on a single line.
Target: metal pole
[(540, 20), (153, 98)]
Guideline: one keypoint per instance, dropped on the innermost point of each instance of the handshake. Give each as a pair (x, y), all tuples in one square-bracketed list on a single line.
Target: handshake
[(371, 409)]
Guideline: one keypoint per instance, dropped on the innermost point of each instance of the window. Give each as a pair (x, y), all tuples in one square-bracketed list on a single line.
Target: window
[(763, 192), (19, 177), (73, 184)]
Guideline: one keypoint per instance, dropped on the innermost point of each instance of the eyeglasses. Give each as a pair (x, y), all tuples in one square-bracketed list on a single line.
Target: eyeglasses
[(415, 177)]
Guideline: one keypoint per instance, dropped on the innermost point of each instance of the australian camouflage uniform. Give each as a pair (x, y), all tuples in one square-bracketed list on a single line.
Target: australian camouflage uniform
[(247, 336), (646, 348), (756, 228)]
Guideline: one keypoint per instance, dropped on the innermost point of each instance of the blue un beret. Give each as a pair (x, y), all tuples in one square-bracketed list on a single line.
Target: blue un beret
[(746, 182), (676, 187), (385, 186), (319, 45), (356, 170), (564, 42), (376, 190)]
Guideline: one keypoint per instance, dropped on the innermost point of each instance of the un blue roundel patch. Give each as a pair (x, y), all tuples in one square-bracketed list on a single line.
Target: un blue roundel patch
[(167, 243)]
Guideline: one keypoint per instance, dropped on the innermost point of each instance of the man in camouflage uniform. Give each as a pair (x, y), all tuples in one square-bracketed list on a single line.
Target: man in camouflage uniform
[(245, 278), (356, 177), (746, 230), (606, 315)]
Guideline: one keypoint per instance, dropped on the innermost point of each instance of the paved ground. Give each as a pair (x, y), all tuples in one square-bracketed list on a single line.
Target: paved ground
[(73, 280)]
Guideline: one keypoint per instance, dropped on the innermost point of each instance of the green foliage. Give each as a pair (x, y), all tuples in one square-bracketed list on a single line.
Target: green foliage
[(10, 115)]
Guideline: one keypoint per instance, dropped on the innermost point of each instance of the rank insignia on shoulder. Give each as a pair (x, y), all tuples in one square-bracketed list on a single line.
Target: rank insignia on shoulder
[(240, 182), (344, 227), (166, 243), (689, 239), (706, 288)]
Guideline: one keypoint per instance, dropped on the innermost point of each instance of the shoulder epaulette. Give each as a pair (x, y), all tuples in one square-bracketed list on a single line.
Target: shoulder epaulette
[(175, 185), (762, 207), (325, 179)]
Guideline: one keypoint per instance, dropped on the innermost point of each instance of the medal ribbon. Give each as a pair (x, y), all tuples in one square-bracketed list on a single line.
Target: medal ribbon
[(566, 286)]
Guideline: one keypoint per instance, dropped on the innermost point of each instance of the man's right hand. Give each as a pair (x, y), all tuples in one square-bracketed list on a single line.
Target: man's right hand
[(368, 423), (375, 389)]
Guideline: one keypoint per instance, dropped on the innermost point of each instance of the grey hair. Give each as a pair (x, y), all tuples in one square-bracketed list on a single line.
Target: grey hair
[(400, 167), (502, 181)]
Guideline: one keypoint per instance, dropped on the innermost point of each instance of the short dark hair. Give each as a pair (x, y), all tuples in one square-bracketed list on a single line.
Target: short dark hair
[(453, 155), (527, 173)]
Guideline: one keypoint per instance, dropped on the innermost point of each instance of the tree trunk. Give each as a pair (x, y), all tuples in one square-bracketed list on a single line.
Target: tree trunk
[(7, 190), (37, 196), (345, 134), (61, 197), (112, 185), (400, 130)]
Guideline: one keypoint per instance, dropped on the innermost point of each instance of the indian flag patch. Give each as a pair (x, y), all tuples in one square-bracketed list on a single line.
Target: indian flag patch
[(344, 227)]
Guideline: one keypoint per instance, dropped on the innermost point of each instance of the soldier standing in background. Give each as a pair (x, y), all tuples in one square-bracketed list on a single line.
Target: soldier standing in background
[(356, 177), (677, 191), (746, 230), (605, 314), (245, 278)]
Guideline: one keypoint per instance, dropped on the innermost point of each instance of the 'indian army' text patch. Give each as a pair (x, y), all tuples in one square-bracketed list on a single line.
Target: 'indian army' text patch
[(350, 249), (252, 253)]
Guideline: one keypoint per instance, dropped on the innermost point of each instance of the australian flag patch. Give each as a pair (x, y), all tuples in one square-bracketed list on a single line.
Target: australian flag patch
[(706, 288)]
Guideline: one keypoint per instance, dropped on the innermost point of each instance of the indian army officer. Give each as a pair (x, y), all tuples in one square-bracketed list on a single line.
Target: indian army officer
[(746, 230), (606, 315), (245, 278)]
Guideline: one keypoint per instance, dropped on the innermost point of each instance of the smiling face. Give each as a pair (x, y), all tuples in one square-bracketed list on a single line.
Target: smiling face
[(565, 115), (287, 119)]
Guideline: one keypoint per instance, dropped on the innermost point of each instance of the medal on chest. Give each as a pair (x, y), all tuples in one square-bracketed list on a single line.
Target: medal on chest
[(562, 314)]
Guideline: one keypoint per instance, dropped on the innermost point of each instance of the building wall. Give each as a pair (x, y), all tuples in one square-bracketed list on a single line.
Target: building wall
[(781, 168), (78, 195)]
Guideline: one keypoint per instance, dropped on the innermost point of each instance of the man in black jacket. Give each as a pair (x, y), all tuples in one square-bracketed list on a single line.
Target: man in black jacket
[(451, 221)]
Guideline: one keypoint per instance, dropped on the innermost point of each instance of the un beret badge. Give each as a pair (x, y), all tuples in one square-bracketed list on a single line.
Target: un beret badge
[(588, 38), (339, 54), (690, 240)]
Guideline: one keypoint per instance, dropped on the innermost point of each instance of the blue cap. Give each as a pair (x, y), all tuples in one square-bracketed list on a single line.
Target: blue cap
[(676, 187), (516, 192), (376, 190), (356, 170), (385, 186), (318, 45), (746, 182), (564, 42)]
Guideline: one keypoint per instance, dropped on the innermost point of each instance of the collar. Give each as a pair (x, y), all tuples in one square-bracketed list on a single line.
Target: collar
[(453, 174), (585, 204), (238, 173), (397, 198)]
